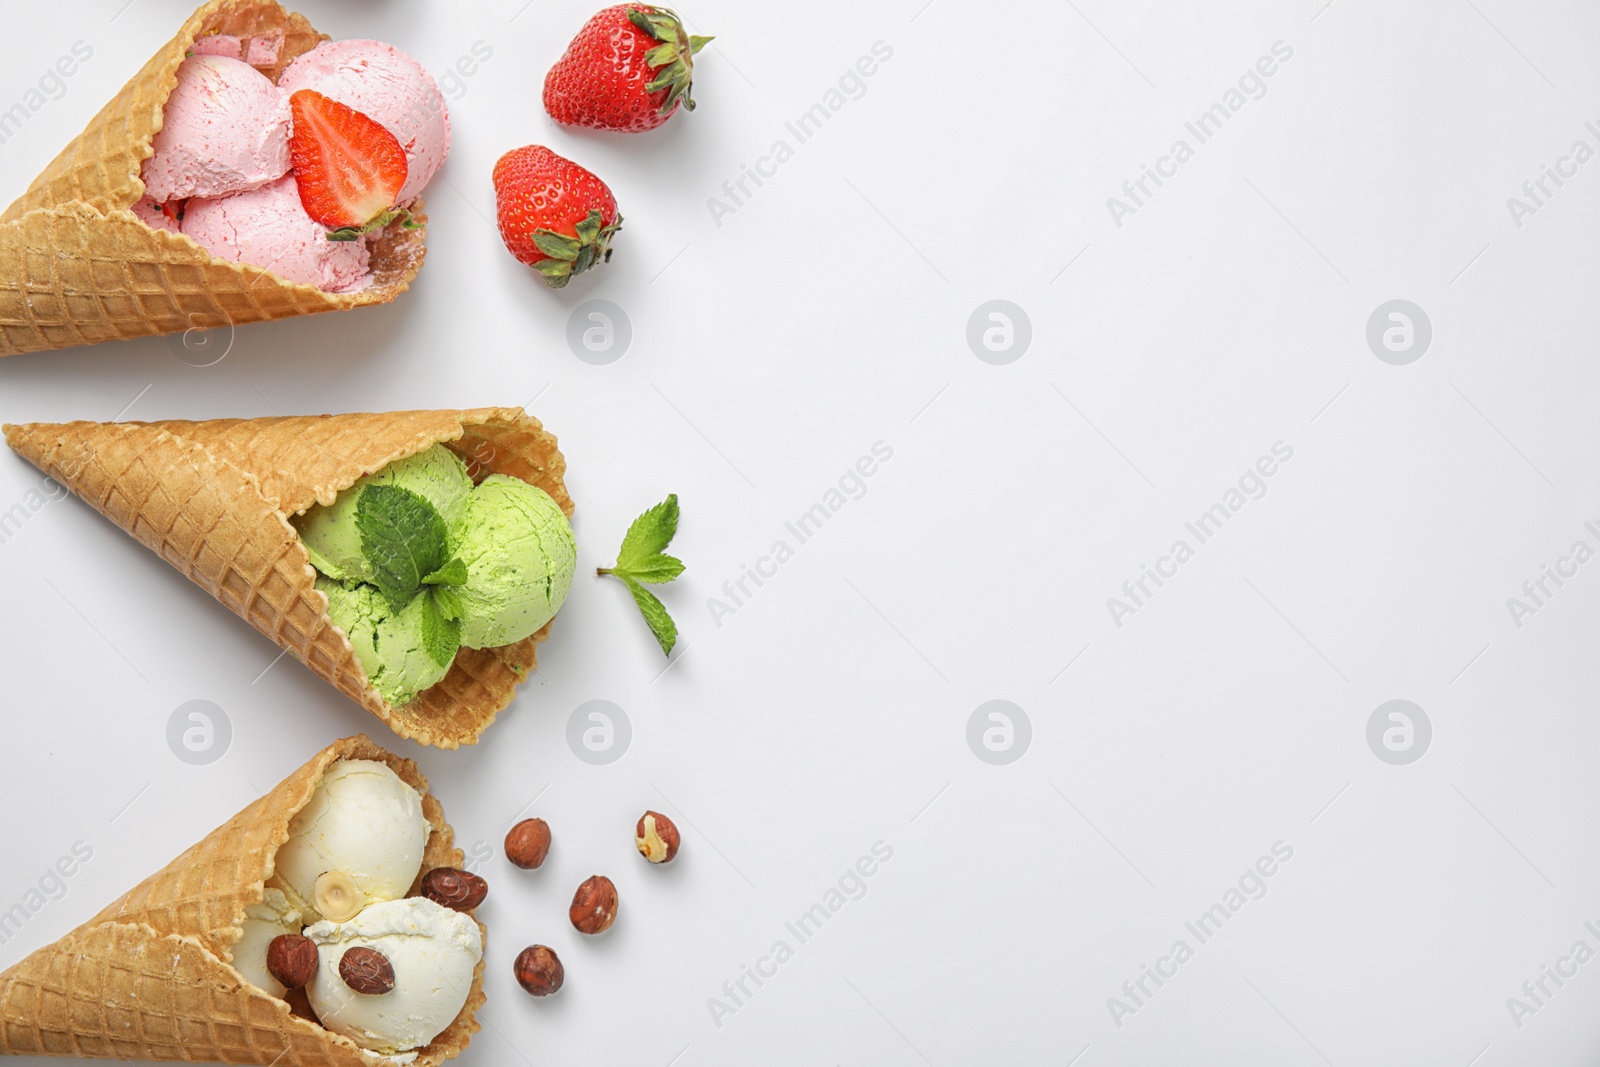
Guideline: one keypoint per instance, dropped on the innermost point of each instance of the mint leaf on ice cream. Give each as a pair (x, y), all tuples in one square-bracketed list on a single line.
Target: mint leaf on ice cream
[(452, 573), (641, 559), (441, 635), (417, 563), (404, 538), (330, 533), (449, 603), (396, 648)]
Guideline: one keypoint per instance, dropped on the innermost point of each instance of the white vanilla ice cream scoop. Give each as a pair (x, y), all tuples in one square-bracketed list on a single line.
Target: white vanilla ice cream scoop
[(263, 922), (358, 841), (433, 951)]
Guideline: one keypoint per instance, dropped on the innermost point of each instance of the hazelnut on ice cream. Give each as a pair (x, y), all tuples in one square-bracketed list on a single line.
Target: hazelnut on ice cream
[(273, 916), (388, 971), (359, 840), (404, 996)]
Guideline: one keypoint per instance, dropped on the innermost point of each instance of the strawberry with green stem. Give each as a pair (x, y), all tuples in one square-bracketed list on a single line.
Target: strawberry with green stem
[(628, 69), (554, 216), (348, 166)]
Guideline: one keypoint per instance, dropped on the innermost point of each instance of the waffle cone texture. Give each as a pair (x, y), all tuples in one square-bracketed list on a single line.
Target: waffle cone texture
[(215, 498), (77, 267), (151, 977)]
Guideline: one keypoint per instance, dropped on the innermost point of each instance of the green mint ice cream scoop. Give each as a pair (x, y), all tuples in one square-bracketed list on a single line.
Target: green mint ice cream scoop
[(330, 535), (389, 644), (520, 556)]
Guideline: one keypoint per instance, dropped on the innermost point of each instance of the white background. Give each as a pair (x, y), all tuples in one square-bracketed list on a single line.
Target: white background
[(829, 711)]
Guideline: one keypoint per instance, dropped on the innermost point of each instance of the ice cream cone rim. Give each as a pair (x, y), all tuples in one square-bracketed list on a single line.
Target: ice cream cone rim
[(327, 494), (250, 273), (146, 148), (189, 939)]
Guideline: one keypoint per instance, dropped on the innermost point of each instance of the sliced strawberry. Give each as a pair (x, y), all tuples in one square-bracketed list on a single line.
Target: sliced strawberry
[(348, 166)]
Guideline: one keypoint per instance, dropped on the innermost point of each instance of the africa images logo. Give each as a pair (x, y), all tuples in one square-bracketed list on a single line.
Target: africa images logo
[(1251, 85), (1251, 885), (851, 485), (852, 885), (851, 85), (1251, 485)]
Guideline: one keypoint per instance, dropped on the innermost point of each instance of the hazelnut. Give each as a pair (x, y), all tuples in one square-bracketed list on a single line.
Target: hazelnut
[(594, 906), (292, 960), (656, 837), (539, 971), (461, 890), (366, 970), (336, 897), (528, 843)]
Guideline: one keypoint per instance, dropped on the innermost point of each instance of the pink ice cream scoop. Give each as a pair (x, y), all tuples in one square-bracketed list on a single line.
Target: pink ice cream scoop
[(387, 85), (268, 227), (225, 129)]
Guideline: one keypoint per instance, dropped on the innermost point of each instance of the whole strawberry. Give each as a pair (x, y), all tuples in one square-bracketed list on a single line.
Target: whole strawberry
[(554, 216), (628, 69)]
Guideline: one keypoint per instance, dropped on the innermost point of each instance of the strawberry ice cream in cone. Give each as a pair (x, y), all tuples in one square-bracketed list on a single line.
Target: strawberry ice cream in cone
[(97, 249)]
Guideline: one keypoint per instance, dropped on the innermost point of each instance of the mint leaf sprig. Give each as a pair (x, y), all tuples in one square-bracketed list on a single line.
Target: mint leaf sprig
[(406, 540), (641, 559)]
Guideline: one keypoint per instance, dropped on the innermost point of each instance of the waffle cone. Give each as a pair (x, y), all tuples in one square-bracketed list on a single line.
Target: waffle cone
[(78, 267), (151, 977), (215, 498)]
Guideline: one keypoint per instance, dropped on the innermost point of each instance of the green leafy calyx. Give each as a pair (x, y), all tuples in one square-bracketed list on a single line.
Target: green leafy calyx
[(401, 215), (672, 59), (566, 256)]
